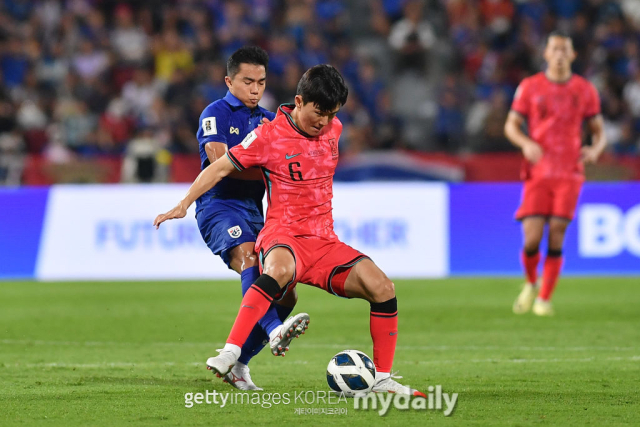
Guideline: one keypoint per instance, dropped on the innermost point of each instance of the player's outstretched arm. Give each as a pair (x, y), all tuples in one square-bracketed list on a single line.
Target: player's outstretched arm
[(207, 179), (513, 131), (591, 153)]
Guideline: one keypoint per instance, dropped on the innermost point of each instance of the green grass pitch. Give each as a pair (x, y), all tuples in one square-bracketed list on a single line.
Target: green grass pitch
[(126, 353)]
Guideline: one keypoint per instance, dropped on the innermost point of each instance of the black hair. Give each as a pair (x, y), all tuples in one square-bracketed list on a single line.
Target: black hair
[(247, 55), (558, 33), (323, 86)]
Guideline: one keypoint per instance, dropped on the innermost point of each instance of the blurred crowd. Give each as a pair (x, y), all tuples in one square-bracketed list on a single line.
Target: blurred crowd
[(86, 78)]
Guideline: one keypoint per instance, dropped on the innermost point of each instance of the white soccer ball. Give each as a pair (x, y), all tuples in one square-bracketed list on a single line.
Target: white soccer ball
[(351, 372)]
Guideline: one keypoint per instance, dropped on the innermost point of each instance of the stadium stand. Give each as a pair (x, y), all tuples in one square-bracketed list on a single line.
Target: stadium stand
[(87, 84)]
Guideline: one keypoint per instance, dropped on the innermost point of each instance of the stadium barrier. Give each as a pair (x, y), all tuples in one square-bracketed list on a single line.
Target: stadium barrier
[(105, 232)]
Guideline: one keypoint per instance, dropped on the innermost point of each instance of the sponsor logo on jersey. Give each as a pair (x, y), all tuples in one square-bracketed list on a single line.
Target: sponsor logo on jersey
[(291, 156), (234, 130), (209, 126), (246, 142), (235, 231)]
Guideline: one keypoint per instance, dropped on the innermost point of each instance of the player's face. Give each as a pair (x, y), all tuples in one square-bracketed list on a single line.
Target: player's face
[(248, 84), (559, 53), (310, 119)]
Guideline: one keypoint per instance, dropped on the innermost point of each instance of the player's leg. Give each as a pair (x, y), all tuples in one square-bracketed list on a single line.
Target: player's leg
[(536, 206), (243, 260), (532, 231), (285, 306), (565, 199), (552, 266), (278, 273), (366, 281)]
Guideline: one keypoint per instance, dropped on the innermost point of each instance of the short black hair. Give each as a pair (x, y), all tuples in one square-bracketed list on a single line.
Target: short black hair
[(323, 86), (558, 33), (247, 55)]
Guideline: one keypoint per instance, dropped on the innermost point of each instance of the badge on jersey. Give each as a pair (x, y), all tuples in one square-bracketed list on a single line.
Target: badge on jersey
[(209, 126), (246, 142), (334, 147), (235, 231)]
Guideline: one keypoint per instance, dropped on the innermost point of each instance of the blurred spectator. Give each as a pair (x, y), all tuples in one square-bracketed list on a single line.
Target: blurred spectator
[(89, 62), (171, 54), (213, 87), (116, 122), (139, 93), (412, 37), (129, 41), (77, 124), (13, 63), (144, 160)]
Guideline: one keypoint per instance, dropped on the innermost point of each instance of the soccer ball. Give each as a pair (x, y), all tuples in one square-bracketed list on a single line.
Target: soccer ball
[(351, 372)]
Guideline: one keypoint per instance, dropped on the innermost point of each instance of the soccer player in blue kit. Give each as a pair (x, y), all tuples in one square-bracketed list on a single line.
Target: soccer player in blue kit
[(230, 215)]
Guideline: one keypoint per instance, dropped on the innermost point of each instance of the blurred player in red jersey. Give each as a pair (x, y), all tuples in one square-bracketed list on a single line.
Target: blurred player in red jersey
[(554, 104), (298, 154)]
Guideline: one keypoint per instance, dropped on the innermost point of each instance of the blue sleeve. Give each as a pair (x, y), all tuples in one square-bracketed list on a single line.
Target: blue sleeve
[(269, 115), (213, 125)]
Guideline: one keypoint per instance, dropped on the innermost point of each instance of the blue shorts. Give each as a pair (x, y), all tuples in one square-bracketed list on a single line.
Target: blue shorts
[(224, 226)]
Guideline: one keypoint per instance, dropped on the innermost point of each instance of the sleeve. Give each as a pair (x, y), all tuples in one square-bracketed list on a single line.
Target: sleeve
[(521, 100), (212, 126), (251, 151), (269, 115), (592, 108)]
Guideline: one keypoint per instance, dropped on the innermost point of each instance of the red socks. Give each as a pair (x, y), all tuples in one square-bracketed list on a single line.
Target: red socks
[(550, 274), (255, 304), (384, 333), (530, 263)]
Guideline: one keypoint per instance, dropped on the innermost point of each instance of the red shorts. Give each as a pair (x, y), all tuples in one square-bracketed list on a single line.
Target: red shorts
[(320, 262), (549, 198)]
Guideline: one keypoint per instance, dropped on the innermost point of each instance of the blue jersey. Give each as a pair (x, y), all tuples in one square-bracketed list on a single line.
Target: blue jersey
[(228, 121)]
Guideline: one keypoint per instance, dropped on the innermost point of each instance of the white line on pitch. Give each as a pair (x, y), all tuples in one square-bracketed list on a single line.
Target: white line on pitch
[(314, 345), (304, 362), (116, 364)]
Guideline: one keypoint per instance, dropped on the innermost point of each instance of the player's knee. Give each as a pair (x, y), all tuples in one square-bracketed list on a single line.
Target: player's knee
[(247, 261), (382, 289), (531, 247), (283, 273)]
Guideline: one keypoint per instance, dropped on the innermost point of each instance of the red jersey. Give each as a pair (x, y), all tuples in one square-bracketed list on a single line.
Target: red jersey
[(298, 171), (554, 113)]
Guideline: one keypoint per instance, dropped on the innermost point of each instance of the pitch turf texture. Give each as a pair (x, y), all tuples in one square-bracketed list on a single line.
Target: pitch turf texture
[(126, 353)]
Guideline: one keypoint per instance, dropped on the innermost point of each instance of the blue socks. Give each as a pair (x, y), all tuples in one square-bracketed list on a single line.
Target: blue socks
[(259, 336)]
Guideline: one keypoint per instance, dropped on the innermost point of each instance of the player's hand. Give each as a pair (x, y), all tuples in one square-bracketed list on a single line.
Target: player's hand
[(532, 152), (265, 120), (589, 155), (177, 212)]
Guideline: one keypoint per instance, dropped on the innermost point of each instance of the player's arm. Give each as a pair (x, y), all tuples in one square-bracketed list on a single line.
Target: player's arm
[(591, 153), (216, 150), (513, 131), (207, 179)]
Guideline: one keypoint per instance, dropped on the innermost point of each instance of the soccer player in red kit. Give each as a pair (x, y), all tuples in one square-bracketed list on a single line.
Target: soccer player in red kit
[(298, 153), (554, 104)]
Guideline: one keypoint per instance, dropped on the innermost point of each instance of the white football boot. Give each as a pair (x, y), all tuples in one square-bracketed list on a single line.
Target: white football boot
[(525, 300), (542, 308), (221, 364), (389, 385), (292, 328), (240, 378)]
